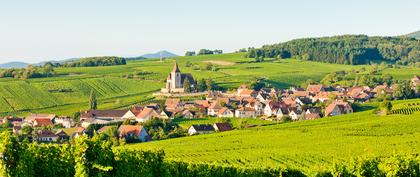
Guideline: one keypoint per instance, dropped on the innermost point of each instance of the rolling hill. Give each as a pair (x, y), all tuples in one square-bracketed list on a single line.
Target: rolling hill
[(125, 85), (14, 64), (414, 35), (163, 54), (310, 146)]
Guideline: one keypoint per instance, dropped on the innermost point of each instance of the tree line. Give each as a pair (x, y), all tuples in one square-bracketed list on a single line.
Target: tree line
[(204, 52), (29, 72), (346, 49), (95, 61)]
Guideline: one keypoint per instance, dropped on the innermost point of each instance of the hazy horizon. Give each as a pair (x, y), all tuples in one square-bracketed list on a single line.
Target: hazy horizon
[(34, 31)]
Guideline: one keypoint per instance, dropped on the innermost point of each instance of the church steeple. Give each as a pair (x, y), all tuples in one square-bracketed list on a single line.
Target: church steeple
[(176, 69)]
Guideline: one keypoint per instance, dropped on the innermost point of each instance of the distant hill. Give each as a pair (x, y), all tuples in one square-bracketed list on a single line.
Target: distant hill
[(14, 65), (414, 35), (163, 53)]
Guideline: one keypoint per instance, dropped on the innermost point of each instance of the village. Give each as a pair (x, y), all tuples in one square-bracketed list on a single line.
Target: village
[(277, 105)]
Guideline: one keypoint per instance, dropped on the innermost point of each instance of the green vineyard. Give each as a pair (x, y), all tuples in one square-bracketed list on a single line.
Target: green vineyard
[(407, 107), (308, 145)]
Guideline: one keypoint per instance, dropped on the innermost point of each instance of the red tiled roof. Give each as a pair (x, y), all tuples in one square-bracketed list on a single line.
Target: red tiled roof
[(315, 88), (247, 92), (43, 122), (126, 129)]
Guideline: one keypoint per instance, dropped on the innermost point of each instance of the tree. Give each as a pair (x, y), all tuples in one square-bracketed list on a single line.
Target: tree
[(48, 69), (202, 85), (210, 84), (403, 91), (205, 52), (187, 86), (190, 53), (209, 66), (92, 101), (76, 116), (257, 84), (386, 106)]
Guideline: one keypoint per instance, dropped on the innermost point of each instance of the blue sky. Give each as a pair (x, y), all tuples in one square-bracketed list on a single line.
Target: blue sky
[(36, 30)]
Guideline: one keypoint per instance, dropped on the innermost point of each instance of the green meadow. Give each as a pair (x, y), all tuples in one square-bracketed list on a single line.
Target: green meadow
[(313, 145), (69, 92)]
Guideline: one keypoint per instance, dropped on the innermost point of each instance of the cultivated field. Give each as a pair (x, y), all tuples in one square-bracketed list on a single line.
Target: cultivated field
[(125, 85), (307, 145)]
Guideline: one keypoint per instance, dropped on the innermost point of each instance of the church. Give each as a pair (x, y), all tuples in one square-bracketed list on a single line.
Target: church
[(176, 79)]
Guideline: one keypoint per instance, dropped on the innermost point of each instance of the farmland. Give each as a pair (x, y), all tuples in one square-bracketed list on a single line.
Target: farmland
[(307, 145), (125, 85)]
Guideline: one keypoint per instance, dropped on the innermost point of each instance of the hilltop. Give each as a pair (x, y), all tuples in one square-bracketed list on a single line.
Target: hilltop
[(163, 54), (14, 65), (414, 35)]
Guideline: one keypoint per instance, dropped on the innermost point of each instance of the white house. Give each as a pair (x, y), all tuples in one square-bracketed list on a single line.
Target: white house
[(225, 112), (200, 129), (133, 132), (245, 112)]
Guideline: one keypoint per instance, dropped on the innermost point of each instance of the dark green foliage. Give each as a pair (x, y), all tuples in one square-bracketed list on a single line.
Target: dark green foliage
[(209, 52), (96, 61), (93, 103), (403, 90), (211, 85), (187, 86), (202, 85), (160, 129), (29, 72), (257, 84), (347, 49), (190, 53)]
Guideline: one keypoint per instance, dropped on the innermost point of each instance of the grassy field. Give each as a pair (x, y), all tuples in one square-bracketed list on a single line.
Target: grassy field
[(307, 145), (69, 92)]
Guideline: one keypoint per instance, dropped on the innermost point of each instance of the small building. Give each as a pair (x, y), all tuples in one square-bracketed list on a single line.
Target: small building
[(133, 132), (105, 129), (338, 108), (225, 112), (42, 122), (312, 116), (62, 136), (80, 131), (315, 88), (173, 104), (187, 114), (46, 136), (214, 108), (295, 114), (17, 129), (245, 112), (66, 122), (200, 129), (221, 127), (104, 114), (147, 114)]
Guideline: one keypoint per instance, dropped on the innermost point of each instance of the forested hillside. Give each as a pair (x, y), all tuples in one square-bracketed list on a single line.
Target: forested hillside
[(347, 49)]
